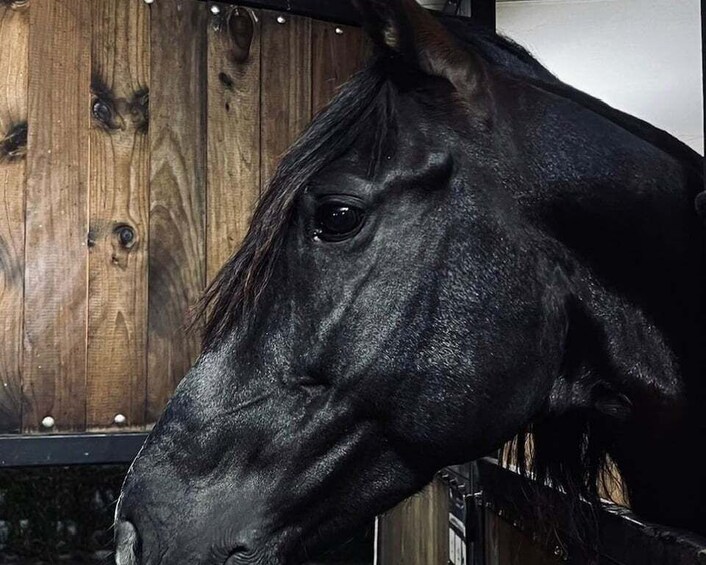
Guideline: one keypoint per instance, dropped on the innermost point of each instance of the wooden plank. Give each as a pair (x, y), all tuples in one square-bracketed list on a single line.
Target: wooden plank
[(56, 218), (286, 84), (177, 268), (14, 45), (416, 532), (119, 211), (507, 545), (338, 53), (233, 130)]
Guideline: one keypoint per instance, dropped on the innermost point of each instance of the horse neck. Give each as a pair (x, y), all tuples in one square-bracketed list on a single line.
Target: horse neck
[(622, 205), (665, 482), (659, 358), (618, 195), (624, 210), (652, 450)]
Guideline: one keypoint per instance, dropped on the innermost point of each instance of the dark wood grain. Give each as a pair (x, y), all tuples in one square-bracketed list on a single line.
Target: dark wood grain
[(286, 84), (338, 53), (14, 46), (416, 532), (234, 41), (119, 213), (507, 545), (57, 223), (177, 269)]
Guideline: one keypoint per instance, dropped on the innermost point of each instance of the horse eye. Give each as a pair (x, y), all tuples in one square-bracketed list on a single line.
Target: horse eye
[(336, 221)]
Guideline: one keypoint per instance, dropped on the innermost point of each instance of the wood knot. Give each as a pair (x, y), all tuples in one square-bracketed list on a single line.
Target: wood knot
[(126, 236), (108, 110), (117, 240), (226, 80), (241, 29), (13, 146), (103, 105), (139, 107), (104, 113), (15, 4)]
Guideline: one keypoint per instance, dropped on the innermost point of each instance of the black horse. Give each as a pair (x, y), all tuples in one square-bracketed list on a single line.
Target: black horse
[(459, 249)]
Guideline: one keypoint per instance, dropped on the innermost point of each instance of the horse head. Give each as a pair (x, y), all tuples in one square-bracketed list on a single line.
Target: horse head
[(458, 248)]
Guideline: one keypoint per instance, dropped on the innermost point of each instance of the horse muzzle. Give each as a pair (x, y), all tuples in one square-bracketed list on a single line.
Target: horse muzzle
[(129, 551)]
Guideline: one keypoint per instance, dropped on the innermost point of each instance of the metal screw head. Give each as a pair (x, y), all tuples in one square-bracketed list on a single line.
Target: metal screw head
[(215, 10), (120, 420), (281, 20), (339, 31), (48, 423)]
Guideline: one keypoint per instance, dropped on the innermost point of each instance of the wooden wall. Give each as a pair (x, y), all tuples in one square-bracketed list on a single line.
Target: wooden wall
[(134, 142)]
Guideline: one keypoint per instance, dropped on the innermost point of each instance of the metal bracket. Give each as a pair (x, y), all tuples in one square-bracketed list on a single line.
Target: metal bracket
[(329, 10), (343, 12)]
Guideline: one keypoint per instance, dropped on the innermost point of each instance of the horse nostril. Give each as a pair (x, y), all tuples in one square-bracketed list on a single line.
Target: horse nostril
[(127, 544)]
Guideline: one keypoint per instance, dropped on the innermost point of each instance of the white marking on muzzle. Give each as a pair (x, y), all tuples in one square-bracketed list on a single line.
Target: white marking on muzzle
[(127, 543)]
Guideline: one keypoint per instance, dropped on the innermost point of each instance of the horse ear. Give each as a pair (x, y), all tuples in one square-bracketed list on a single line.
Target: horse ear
[(406, 28)]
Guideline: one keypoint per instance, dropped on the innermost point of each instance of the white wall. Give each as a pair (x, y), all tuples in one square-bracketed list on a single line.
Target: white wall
[(641, 56)]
